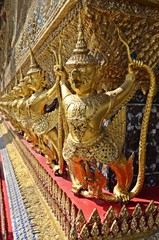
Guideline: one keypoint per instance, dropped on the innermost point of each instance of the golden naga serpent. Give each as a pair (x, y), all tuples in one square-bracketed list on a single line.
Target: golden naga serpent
[(144, 127)]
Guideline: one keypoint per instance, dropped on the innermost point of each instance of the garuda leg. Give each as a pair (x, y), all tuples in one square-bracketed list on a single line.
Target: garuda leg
[(124, 173)]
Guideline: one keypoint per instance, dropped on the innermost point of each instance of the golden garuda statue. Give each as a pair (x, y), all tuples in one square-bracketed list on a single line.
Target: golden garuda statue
[(88, 141)]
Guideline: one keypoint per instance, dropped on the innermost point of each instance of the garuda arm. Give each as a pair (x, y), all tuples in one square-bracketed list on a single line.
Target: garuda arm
[(118, 99), (50, 94), (120, 96)]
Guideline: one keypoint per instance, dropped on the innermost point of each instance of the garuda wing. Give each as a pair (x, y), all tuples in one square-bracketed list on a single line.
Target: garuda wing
[(138, 27)]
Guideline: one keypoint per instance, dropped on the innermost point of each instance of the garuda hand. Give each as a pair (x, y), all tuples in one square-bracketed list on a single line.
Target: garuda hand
[(135, 66), (60, 73)]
